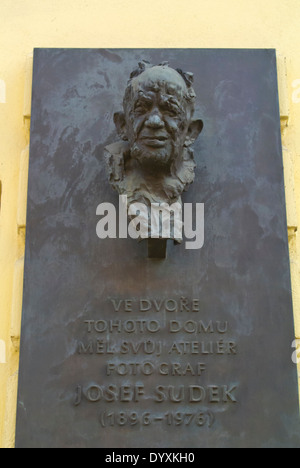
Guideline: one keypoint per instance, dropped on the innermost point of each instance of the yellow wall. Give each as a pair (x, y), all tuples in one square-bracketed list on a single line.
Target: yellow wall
[(25, 24)]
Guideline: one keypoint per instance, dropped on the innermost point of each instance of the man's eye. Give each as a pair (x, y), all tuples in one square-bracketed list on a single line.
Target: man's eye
[(171, 112), (140, 110)]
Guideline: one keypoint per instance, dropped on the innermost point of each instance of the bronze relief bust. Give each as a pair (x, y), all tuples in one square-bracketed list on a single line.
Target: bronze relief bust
[(153, 162)]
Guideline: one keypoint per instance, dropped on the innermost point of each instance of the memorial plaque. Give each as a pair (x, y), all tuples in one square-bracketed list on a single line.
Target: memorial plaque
[(155, 341)]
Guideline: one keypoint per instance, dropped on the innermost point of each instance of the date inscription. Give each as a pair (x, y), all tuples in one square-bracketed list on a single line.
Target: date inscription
[(147, 419)]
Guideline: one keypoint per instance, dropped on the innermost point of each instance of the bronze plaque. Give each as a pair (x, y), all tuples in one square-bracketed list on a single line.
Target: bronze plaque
[(156, 341)]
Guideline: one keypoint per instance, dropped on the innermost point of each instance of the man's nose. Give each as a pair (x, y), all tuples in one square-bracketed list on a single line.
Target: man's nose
[(154, 121)]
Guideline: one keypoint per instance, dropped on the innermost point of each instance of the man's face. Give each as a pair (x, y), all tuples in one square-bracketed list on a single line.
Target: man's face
[(157, 117)]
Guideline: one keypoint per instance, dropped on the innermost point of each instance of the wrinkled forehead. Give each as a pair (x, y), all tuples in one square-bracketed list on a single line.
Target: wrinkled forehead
[(162, 79), (159, 79)]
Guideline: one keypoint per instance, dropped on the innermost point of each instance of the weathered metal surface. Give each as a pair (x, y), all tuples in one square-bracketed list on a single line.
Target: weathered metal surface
[(121, 350)]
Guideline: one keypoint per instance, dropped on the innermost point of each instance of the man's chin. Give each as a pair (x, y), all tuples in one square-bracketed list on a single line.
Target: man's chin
[(152, 157)]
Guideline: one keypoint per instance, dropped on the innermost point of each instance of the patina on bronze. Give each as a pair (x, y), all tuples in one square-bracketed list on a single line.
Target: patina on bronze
[(154, 162)]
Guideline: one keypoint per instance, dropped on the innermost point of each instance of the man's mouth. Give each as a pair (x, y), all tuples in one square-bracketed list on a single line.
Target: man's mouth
[(155, 141)]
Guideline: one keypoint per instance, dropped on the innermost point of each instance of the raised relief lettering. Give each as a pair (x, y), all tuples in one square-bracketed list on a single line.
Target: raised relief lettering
[(135, 362)]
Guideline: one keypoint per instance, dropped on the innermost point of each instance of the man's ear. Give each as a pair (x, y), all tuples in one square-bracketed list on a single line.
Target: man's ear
[(194, 130), (119, 121)]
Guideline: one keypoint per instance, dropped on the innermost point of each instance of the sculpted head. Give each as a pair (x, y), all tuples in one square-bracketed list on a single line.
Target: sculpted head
[(153, 162), (157, 118)]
